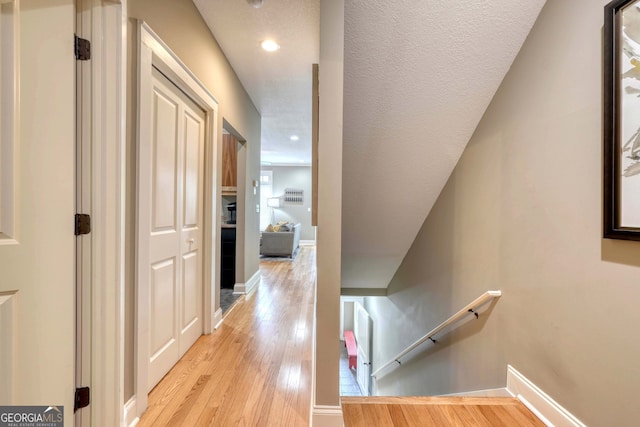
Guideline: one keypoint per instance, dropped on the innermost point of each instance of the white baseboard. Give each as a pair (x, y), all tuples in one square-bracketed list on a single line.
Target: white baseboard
[(130, 417), (307, 242), (548, 410), (326, 416), (217, 318), (250, 285), (490, 392)]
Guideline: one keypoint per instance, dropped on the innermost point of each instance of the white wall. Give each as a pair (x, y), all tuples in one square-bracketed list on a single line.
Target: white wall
[(298, 177), (522, 212)]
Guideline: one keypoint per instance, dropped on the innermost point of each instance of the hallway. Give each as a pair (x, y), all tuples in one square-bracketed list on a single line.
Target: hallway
[(255, 370)]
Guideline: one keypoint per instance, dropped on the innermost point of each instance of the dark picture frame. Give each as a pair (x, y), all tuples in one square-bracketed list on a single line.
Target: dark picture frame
[(621, 172)]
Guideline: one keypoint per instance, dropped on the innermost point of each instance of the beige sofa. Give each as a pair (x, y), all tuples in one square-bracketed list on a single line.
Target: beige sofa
[(280, 243)]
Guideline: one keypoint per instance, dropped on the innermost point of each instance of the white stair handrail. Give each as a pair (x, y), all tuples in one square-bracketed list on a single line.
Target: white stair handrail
[(469, 308)]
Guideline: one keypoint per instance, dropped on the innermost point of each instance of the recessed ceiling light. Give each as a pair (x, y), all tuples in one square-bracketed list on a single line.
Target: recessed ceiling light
[(294, 137), (255, 3), (270, 45)]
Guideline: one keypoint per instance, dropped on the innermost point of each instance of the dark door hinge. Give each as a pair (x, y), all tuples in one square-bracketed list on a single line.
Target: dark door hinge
[(82, 48), (82, 398), (83, 224)]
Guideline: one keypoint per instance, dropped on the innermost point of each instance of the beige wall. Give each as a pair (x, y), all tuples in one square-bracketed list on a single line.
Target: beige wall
[(522, 213), (181, 27), (327, 318)]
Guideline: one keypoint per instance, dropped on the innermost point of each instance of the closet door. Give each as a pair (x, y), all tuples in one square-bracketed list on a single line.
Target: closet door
[(174, 169)]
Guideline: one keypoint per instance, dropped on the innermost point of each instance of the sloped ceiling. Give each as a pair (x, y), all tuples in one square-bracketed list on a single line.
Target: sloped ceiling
[(418, 77)]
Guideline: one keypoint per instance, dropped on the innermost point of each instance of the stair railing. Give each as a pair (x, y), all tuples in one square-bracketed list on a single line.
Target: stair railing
[(468, 309)]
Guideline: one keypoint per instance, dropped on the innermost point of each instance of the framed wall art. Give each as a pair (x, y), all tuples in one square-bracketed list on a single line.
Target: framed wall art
[(622, 120)]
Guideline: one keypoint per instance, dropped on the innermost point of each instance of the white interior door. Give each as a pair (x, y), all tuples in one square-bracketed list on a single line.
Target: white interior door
[(174, 167), (37, 186), (362, 331)]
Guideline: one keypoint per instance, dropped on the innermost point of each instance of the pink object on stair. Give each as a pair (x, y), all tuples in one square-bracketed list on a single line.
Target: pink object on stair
[(352, 349)]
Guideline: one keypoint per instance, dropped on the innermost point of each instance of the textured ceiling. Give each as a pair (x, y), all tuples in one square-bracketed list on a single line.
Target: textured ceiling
[(418, 77), (279, 83)]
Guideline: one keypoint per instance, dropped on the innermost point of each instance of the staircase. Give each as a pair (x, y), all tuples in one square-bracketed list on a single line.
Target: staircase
[(437, 412)]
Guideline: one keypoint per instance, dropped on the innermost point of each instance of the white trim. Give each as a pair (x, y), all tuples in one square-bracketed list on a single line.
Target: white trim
[(217, 318), (170, 63), (313, 361), (101, 193), (327, 416), (130, 418), (541, 404), (153, 52), (490, 392), (307, 242), (247, 288), (9, 117)]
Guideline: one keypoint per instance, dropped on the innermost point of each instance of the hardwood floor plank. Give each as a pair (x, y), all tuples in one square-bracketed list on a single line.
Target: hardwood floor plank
[(429, 412), (523, 416), (378, 415), (479, 419), (417, 415), (353, 415), (397, 415), (494, 418), (188, 413), (255, 369)]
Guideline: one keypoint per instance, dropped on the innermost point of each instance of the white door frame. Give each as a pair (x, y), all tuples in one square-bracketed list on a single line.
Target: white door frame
[(102, 194), (153, 52)]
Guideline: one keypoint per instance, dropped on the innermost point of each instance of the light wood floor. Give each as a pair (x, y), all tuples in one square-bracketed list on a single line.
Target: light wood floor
[(437, 412), (255, 370)]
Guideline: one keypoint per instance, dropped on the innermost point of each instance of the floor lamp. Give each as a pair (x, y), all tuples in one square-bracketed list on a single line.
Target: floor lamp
[(273, 202)]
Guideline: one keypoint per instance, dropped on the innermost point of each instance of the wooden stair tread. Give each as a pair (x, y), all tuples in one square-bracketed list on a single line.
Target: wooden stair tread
[(437, 411)]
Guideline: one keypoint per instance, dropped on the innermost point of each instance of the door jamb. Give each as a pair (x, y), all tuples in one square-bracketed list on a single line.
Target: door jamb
[(153, 52), (102, 125)]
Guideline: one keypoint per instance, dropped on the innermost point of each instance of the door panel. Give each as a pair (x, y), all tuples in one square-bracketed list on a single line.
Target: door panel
[(189, 290), (192, 172), (163, 297), (165, 146), (175, 237)]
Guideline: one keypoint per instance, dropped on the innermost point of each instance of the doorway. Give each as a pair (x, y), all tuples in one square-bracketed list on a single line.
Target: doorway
[(230, 206), (355, 325)]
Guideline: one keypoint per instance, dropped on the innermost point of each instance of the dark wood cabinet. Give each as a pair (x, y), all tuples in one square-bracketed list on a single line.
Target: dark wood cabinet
[(228, 258)]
